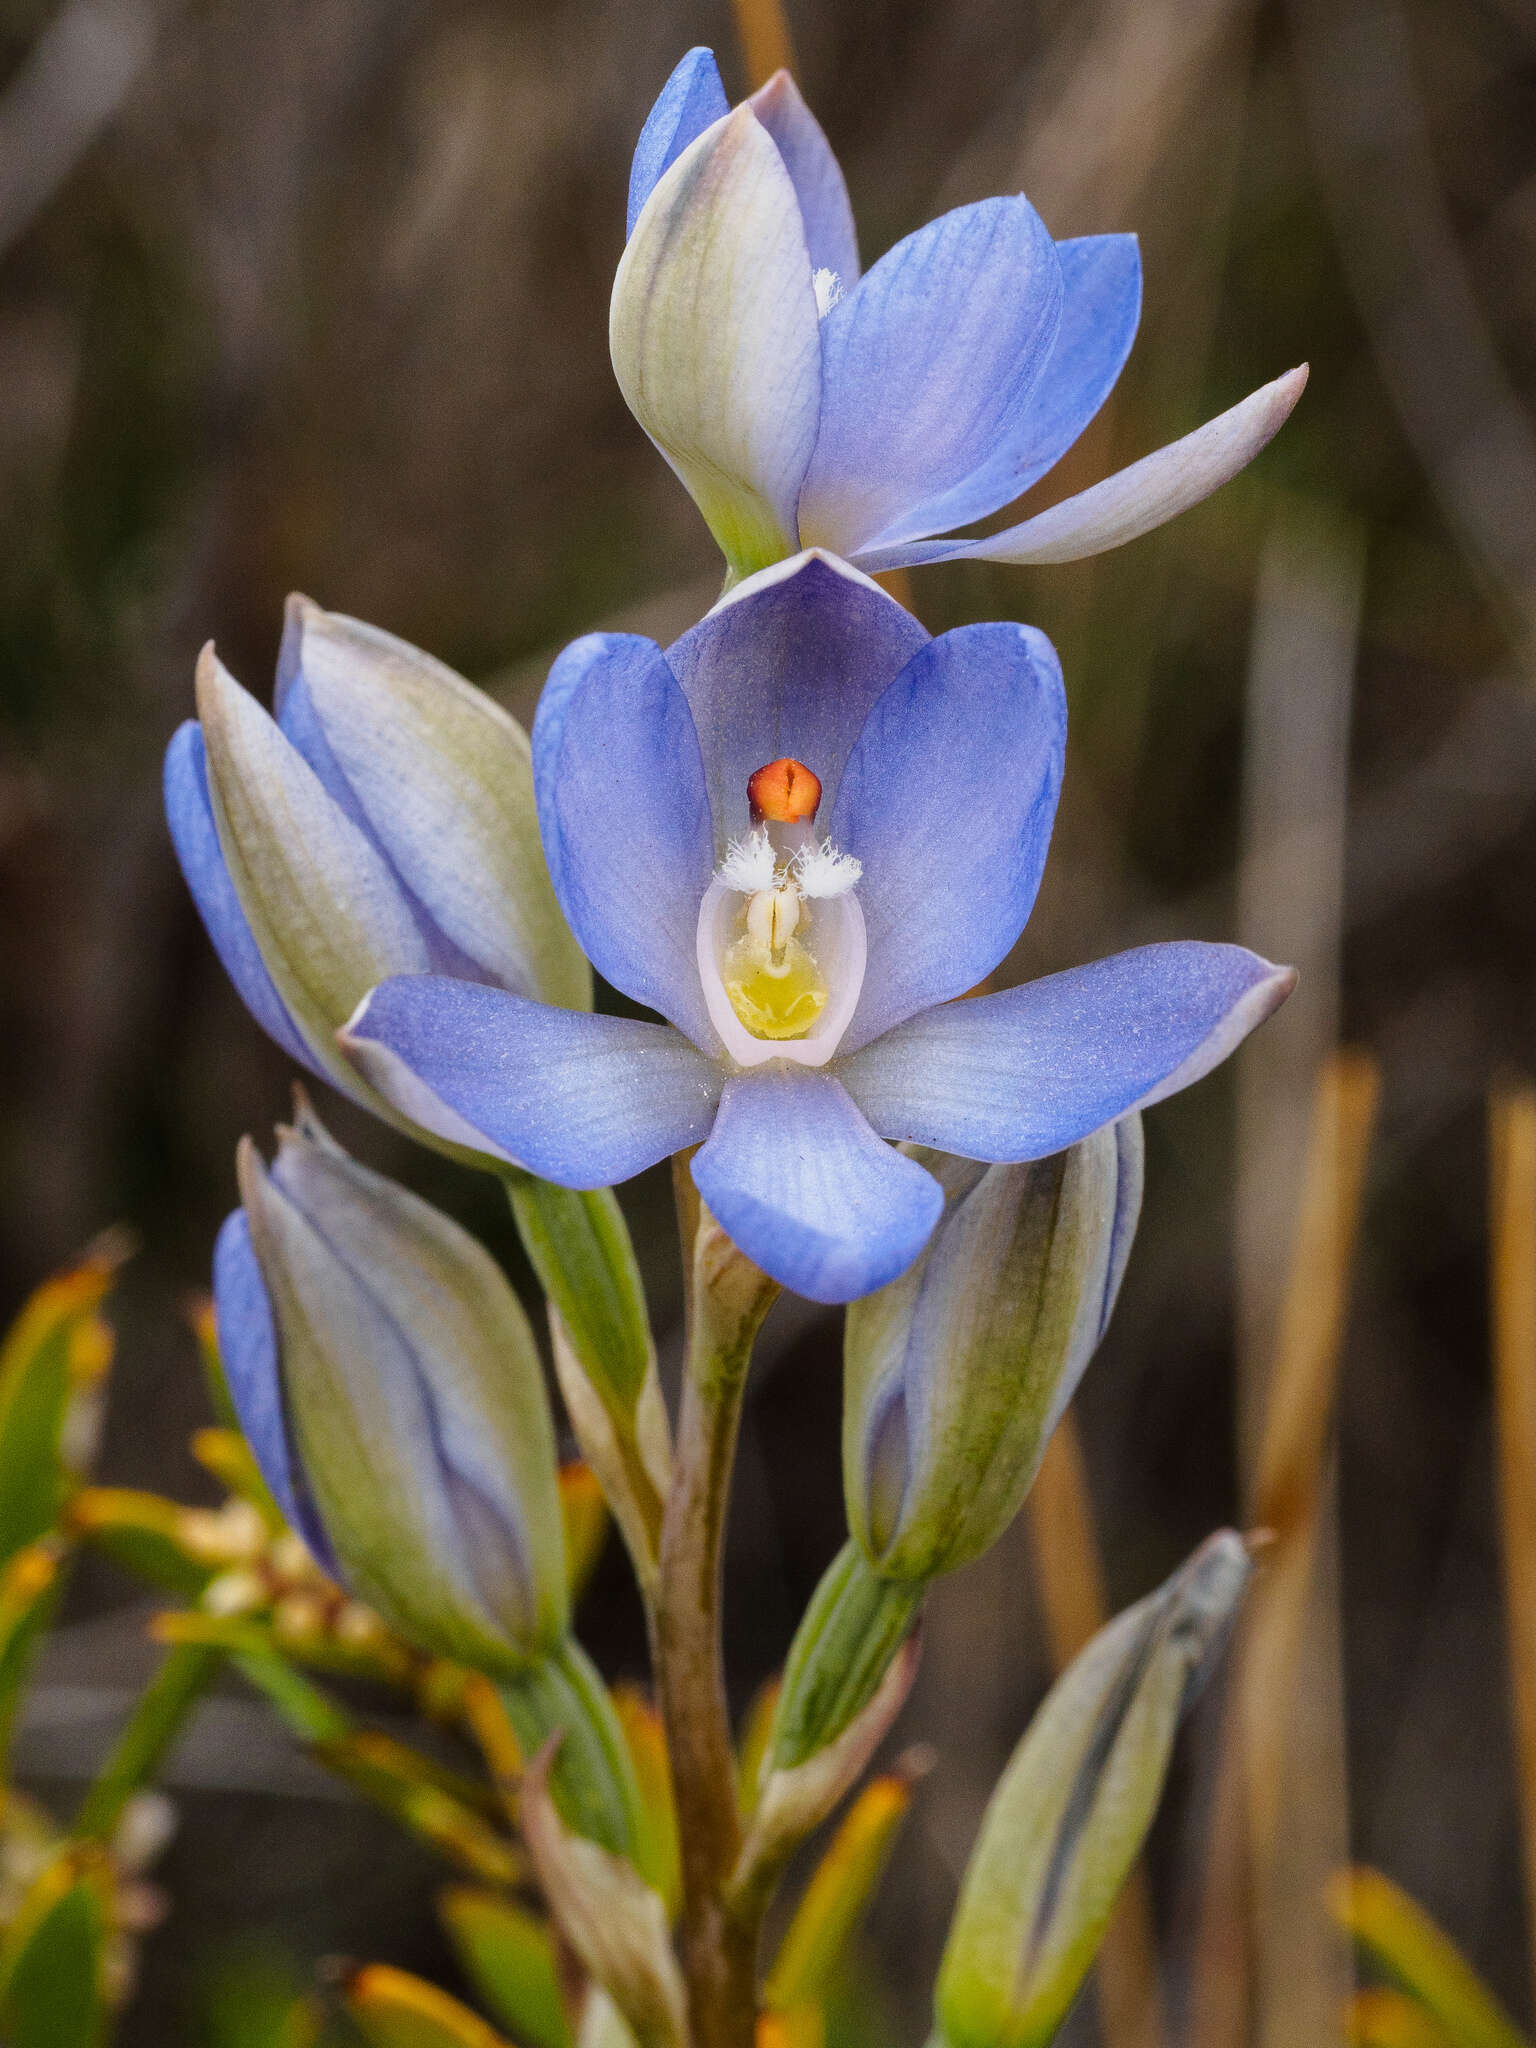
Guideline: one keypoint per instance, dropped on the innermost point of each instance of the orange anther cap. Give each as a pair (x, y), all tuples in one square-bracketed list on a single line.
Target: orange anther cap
[(785, 792)]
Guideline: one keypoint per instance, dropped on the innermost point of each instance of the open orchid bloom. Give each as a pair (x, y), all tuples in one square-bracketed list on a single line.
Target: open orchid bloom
[(804, 405), (799, 834)]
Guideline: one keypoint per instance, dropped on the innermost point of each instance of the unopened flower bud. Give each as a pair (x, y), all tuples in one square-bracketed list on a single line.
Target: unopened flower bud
[(1072, 1809), (390, 1387), (957, 1373), (381, 823)]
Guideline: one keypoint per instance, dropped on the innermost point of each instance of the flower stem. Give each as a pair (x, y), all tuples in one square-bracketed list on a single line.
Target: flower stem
[(727, 1298)]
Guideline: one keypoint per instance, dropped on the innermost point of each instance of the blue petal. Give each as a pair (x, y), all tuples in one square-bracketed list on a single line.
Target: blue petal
[(579, 1099), (1101, 304), (620, 790), (690, 101), (1100, 312), (1021, 1074), (189, 813), (830, 235), (924, 367), (799, 1180), (1127, 504), (248, 1350), (948, 800), (789, 663)]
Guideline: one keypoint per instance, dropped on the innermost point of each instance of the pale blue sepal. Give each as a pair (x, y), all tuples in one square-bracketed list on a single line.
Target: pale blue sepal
[(622, 807), (1129, 503), (189, 813), (1100, 312), (948, 800), (925, 366), (714, 336), (800, 1181), (1101, 305), (248, 1353), (789, 663), (692, 100), (830, 235), (440, 778), (580, 1099), (1021, 1074)]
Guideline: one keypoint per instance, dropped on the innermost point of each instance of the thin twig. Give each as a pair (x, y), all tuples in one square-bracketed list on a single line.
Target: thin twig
[(1512, 1121), (766, 45), (1290, 1624)]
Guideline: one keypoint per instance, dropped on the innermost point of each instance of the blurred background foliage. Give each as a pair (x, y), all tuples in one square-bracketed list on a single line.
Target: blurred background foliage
[(313, 294)]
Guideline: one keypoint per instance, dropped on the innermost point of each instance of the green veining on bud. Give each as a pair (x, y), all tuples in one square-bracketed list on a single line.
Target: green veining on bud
[(579, 1246), (956, 1373), (593, 1779), (853, 1627), (1072, 1809)]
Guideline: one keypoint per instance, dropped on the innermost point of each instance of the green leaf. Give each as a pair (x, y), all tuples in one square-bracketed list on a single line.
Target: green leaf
[(578, 1244), (509, 1958), (848, 1635), (584, 1513), (593, 1781), (157, 1719), (833, 1904), (57, 1351), (52, 1956), (1403, 1941), (29, 1588), (142, 1533), (396, 2010)]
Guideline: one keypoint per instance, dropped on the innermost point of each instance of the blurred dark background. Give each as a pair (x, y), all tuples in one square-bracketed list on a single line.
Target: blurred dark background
[(312, 294)]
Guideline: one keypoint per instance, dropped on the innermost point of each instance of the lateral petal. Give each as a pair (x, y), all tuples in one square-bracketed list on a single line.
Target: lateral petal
[(948, 800), (830, 235), (577, 1098), (622, 806), (924, 366), (1100, 308), (1022, 1074), (248, 1353)]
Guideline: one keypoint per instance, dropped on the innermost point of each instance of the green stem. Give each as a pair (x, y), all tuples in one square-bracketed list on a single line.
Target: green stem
[(578, 1245), (727, 1298), (157, 1719), (593, 1778), (853, 1627)]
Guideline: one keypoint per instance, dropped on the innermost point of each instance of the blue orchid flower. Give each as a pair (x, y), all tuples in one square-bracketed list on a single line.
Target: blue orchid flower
[(383, 823), (804, 405), (798, 835)]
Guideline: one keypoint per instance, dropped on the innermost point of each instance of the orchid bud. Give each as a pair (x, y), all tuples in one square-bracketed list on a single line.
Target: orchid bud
[(1072, 1809), (389, 1384), (381, 823), (957, 1373)]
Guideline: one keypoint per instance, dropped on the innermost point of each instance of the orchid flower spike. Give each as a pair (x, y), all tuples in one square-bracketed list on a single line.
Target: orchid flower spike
[(798, 835), (382, 823), (804, 405)]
